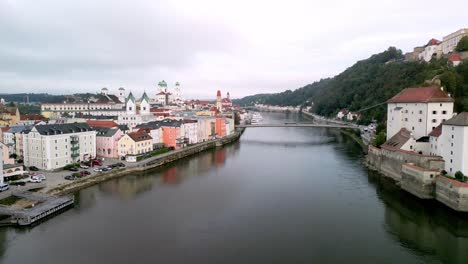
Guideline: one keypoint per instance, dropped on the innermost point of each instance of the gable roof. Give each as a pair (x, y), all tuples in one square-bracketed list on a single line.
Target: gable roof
[(454, 57), (56, 129), (101, 123), (398, 140), (106, 132), (139, 136), (436, 132), (32, 117), (421, 95), (109, 98), (459, 120), (433, 42)]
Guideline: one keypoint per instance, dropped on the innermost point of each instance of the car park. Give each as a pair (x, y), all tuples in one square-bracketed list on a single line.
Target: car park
[(69, 177), (18, 183), (97, 169)]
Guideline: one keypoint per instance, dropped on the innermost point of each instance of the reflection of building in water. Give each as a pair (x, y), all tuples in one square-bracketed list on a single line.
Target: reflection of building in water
[(220, 157), (429, 230), (128, 186), (169, 176)]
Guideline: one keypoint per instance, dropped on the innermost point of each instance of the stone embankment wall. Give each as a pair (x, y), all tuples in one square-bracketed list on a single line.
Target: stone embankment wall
[(452, 193), (146, 164), (419, 175), (419, 181), (390, 162)]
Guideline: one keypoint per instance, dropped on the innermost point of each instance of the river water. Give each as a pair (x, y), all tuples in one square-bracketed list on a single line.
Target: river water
[(280, 195)]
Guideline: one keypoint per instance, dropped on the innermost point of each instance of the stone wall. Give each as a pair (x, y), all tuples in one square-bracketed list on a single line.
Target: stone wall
[(418, 181), (452, 193), (390, 162)]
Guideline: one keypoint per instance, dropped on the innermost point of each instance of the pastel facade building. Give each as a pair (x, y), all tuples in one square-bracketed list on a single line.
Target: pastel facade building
[(220, 127), (419, 110), (135, 143), (107, 142), (51, 147), (453, 144)]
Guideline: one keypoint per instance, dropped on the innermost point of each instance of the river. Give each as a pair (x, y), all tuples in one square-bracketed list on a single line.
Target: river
[(280, 195)]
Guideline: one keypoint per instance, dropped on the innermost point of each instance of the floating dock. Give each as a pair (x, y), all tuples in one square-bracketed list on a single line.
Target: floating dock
[(47, 205)]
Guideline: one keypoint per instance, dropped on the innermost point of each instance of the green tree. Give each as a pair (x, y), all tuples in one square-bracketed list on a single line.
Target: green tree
[(459, 176), (462, 44), (379, 139)]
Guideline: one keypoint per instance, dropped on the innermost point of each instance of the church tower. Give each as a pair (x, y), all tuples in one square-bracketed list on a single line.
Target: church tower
[(121, 94), (219, 105), (130, 104), (144, 104), (177, 94)]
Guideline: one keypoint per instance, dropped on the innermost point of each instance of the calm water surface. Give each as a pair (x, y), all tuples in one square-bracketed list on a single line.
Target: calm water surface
[(280, 195)]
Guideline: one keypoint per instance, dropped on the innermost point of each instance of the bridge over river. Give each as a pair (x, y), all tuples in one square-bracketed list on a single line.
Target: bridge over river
[(292, 124)]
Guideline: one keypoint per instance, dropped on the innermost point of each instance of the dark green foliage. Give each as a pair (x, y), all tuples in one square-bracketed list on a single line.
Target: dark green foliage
[(443, 172), (462, 44), (459, 176), (379, 139), (369, 83)]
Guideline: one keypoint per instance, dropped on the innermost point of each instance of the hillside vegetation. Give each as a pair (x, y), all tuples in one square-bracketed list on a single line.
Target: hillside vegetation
[(370, 82)]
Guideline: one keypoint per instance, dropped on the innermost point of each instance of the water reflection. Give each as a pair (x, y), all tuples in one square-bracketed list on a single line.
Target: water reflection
[(171, 174), (425, 227)]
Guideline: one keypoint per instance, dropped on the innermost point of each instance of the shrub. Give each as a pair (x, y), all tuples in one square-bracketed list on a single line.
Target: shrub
[(443, 172), (379, 139), (459, 176)]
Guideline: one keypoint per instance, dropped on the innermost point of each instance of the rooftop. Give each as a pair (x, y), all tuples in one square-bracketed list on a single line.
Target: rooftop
[(139, 136), (56, 129), (421, 95), (398, 140), (436, 132), (459, 120), (101, 123)]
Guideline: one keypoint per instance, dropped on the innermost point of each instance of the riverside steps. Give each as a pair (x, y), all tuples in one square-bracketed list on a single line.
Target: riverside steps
[(46, 205)]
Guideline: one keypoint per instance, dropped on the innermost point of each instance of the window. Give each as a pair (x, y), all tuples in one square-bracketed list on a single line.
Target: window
[(452, 144), (413, 128), (406, 119), (420, 111), (453, 128), (420, 120), (451, 152), (451, 160), (444, 112), (434, 112), (440, 104), (452, 136), (434, 120)]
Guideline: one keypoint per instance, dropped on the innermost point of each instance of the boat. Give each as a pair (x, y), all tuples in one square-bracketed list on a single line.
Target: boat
[(256, 118)]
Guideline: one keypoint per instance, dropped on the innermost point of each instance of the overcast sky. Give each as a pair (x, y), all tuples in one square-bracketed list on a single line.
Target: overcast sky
[(241, 46)]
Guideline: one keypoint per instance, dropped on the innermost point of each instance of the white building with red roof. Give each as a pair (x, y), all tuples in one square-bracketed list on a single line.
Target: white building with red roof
[(433, 49), (419, 110), (454, 59)]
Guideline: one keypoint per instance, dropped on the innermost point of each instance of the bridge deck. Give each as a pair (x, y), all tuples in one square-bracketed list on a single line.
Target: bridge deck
[(298, 125)]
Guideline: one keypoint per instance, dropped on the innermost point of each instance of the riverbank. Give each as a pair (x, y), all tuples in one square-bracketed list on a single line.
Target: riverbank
[(348, 132), (144, 165)]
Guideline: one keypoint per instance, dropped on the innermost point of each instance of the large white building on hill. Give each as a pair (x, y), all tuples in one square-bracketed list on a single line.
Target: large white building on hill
[(419, 110)]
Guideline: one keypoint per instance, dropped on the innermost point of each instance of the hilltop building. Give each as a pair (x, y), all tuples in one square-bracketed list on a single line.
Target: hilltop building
[(419, 110), (450, 41), (432, 50)]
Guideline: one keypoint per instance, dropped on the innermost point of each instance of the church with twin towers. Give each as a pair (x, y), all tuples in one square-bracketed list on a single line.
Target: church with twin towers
[(161, 96)]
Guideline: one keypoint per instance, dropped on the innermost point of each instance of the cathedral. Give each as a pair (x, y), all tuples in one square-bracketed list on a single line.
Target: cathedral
[(165, 97)]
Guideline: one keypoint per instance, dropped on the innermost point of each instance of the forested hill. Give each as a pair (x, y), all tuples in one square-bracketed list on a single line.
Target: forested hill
[(370, 82)]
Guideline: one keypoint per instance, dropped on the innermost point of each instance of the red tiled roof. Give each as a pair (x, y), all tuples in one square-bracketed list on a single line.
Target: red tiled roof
[(421, 95), (436, 132), (158, 110), (101, 123), (454, 57), (5, 129), (454, 182), (31, 117), (139, 136), (433, 42), (398, 140)]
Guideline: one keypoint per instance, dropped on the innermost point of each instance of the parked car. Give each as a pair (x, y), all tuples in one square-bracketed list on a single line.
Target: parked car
[(73, 169), (69, 177), (40, 176), (18, 183), (96, 163), (34, 179), (106, 169), (97, 169), (86, 173), (33, 168), (84, 167), (4, 187)]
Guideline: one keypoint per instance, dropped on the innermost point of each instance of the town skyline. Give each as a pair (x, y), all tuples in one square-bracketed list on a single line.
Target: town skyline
[(209, 48)]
